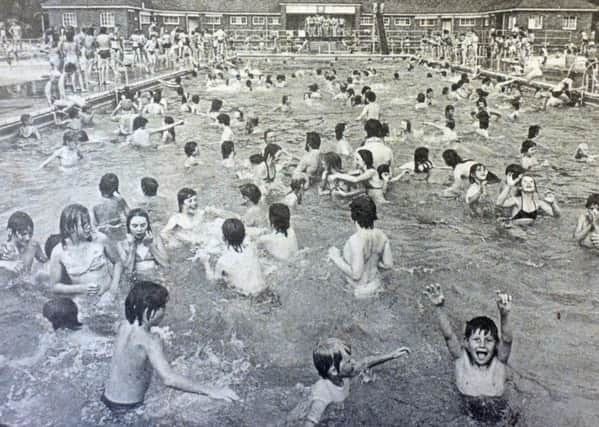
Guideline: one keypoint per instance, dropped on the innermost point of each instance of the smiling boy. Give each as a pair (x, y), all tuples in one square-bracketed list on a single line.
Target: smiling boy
[(480, 360)]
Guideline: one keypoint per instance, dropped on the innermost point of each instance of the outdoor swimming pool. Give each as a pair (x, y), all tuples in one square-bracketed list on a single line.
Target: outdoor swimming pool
[(262, 348)]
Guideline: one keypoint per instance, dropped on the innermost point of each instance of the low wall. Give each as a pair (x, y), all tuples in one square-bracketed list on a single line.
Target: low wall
[(43, 117)]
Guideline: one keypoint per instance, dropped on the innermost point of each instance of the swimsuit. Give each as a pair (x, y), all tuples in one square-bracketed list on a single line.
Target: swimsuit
[(522, 214)]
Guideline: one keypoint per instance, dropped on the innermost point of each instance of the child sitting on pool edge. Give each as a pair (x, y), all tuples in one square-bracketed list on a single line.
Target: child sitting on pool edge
[(333, 361), (135, 345)]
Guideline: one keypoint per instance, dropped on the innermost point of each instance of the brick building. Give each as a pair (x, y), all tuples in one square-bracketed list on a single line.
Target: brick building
[(571, 16)]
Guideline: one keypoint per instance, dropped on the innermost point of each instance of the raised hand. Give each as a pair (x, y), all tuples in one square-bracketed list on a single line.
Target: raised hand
[(504, 302), (434, 293)]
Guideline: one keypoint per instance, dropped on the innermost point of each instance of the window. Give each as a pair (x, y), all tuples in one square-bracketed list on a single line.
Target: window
[(106, 19), (512, 22), (145, 19), (171, 20), (258, 20), (239, 20), (274, 20), (467, 22), (366, 20), (569, 23), (69, 19), (486, 22), (535, 22), (386, 22), (212, 20), (404, 21), (428, 22)]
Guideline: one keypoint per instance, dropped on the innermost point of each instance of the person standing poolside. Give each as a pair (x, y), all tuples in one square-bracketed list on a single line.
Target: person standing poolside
[(86, 256), (365, 252)]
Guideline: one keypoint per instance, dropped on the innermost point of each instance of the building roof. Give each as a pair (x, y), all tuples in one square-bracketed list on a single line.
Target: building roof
[(538, 4), (132, 3), (425, 7), (239, 6)]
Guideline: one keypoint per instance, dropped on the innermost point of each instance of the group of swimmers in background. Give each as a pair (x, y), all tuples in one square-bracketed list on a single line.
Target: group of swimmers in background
[(93, 250)]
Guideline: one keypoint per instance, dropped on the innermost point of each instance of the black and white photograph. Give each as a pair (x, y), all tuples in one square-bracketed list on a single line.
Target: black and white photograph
[(297, 213)]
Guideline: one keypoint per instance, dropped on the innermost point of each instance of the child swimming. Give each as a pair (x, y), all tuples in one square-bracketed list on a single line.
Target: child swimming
[(27, 129), (342, 147), (141, 136), (191, 151), (481, 358), (365, 252), (238, 266), (587, 226), (109, 216), (142, 252), (138, 352), (282, 242), (69, 154), (19, 251), (333, 361)]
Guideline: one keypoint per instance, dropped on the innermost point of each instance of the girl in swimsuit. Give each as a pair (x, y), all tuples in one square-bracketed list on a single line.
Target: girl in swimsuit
[(526, 202), (477, 194), (69, 155), (142, 252), (368, 176), (86, 257), (461, 171)]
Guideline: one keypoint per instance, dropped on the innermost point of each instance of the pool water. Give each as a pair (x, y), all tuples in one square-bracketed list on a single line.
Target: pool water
[(262, 347)]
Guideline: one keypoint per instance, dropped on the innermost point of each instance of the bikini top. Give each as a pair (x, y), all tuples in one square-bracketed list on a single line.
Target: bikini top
[(522, 214)]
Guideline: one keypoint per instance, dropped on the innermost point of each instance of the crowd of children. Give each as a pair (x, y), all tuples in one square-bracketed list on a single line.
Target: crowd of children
[(95, 249)]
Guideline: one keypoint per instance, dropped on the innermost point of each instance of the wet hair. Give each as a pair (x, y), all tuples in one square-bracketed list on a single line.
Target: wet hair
[(452, 158), (483, 324), (332, 161), (527, 145), (396, 75), (216, 105), (184, 194), (144, 296), (382, 169), (20, 221), (514, 169), (234, 233), (420, 98), (365, 90), (62, 313), (109, 184), (593, 199), (190, 147), (533, 131), (69, 136), (137, 212), (491, 177), (226, 148), (251, 191), (241, 117), (149, 186), (421, 162), (313, 87), (223, 119), (195, 99), (329, 353), (312, 141), (279, 217), (445, 90), (357, 100), (370, 96), (363, 211), (139, 122), (366, 156), (373, 127), (339, 130), (69, 219)]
